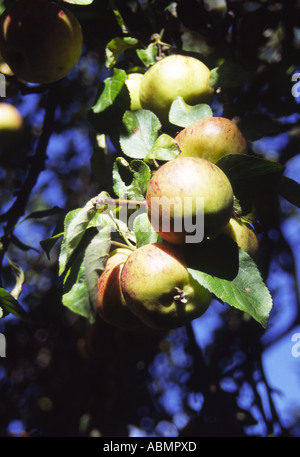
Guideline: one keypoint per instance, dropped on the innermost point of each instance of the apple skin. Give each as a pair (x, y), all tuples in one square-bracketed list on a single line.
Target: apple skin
[(173, 76), (111, 305), (133, 82), (211, 138), (190, 177), (158, 288), (244, 236), (40, 40), (11, 125), (10, 118)]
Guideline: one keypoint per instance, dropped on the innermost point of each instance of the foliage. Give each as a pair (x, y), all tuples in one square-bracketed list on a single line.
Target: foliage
[(95, 155)]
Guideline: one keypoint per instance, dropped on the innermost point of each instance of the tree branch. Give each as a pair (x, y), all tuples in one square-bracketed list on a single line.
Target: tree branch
[(38, 165)]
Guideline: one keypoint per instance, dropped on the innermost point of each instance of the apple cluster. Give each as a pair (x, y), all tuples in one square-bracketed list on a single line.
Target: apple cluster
[(152, 285)]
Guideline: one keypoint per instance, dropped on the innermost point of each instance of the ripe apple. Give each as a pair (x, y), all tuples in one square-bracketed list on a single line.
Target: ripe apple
[(11, 124), (40, 40), (244, 236), (173, 76), (183, 191), (111, 304), (133, 82), (211, 138), (159, 289)]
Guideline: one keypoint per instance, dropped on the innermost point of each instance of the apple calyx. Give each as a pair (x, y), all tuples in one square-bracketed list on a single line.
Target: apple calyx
[(180, 297)]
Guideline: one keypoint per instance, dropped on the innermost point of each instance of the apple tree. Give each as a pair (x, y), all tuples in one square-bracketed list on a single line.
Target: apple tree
[(109, 103)]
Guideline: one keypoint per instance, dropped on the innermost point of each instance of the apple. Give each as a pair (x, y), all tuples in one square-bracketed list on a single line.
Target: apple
[(111, 305), (133, 82), (159, 289), (244, 236), (40, 40), (11, 124), (211, 138), (10, 118), (186, 195), (173, 76)]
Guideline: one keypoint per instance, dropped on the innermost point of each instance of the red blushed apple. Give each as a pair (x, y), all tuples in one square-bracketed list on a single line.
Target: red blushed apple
[(211, 138), (111, 304), (188, 195), (40, 40), (159, 289)]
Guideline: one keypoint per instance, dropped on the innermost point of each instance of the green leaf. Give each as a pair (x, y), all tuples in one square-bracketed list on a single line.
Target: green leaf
[(257, 126), (140, 133), (120, 21), (19, 275), (143, 230), (76, 294), (112, 88), (182, 114), (246, 292), (95, 259), (44, 213), (130, 180), (148, 55), (250, 175), (290, 190), (164, 148), (11, 306), (116, 47), (242, 166), (76, 223), (229, 74), (48, 244)]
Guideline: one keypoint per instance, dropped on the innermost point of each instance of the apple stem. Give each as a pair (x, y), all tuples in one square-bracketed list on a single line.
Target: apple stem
[(122, 245)]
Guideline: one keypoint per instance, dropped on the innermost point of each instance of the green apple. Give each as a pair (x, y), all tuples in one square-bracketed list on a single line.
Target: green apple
[(40, 40), (173, 76), (10, 118), (111, 305), (133, 82), (188, 195), (11, 125), (211, 138), (244, 236), (159, 289)]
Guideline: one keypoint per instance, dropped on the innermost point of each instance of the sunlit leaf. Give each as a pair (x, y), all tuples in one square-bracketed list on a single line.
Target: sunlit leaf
[(183, 115), (76, 223), (143, 230), (140, 133), (112, 88), (130, 180), (95, 259), (76, 295), (246, 292), (164, 148), (116, 47), (148, 55), (11, 306)]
